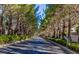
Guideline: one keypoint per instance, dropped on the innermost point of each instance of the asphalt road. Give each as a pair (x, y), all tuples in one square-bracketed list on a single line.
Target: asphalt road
[(36, 45)]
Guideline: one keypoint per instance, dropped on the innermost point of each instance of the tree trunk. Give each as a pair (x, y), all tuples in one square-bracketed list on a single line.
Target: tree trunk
[(20, 27), (17, 25), (63, 29), (10, 24), (58, 30), (24, 29), (69, 29), (78, 37), (54, 33), (2, 30), (59, 33)]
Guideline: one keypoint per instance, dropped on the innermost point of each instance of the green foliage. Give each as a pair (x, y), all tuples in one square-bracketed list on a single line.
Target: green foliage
[(22, 37), (74, 46), (3, 39), (21, 13), (60, 41), (11, 38), (77, 29), (50, 13), (44, 24), (63, 42), (71, 45)]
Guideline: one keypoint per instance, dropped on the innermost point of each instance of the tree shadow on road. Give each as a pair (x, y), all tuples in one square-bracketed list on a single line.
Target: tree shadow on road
[(30, 47)]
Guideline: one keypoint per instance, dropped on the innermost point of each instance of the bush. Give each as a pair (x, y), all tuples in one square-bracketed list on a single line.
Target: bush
[(71, 45), (74, 46), (11, 38), (60, 41), (22, 37), (3, 39)]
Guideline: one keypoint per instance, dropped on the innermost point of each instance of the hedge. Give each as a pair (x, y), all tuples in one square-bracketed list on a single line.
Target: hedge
[(71, 45), (11, 38)]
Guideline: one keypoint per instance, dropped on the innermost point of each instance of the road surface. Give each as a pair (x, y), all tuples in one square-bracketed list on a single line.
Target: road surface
[(36, 45)]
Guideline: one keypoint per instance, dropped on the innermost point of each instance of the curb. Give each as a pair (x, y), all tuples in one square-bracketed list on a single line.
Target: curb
[(69, 51)]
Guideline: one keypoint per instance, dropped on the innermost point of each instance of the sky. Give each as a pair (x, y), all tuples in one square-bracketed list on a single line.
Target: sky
[(40, 14)]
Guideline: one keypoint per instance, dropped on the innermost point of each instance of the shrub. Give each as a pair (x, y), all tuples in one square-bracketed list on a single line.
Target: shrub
[(11, 38), (3, 39), (63, 42), (22, 37), (71, 45), (74, 46), (60, 41)]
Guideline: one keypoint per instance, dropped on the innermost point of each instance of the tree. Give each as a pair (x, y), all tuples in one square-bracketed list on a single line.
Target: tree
[(1, 20), (77, 30), (20, 19)]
